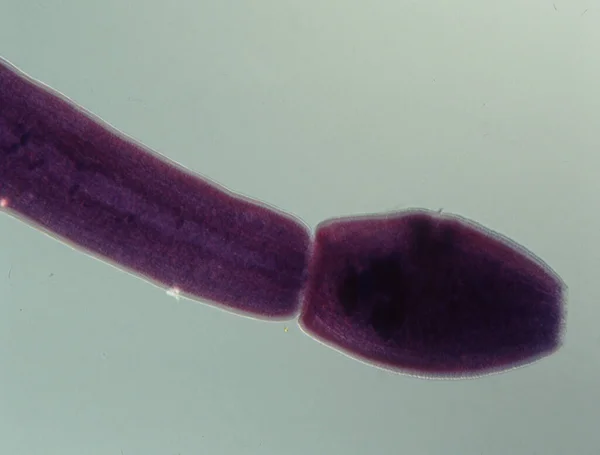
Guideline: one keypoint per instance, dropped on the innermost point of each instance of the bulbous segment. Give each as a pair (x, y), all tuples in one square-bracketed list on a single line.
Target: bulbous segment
[(430, 295)]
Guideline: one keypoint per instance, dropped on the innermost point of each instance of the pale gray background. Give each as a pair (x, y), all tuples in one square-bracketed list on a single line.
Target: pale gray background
[(322, 108)]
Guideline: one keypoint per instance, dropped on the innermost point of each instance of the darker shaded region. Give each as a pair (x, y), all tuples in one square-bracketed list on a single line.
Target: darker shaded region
[(77, 178), (379, 292), (431, 295)]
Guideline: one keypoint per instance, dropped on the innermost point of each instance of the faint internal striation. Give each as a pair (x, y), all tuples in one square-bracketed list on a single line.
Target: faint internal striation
[(76, 177), (416, 291), (430, 295)]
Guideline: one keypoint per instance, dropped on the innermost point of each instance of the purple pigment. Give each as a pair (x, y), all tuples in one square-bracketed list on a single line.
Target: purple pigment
[(68, 173), (416, 291), (430, 295)]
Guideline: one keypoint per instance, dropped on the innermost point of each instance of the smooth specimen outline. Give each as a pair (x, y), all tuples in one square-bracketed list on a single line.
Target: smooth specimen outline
[(414, 291)]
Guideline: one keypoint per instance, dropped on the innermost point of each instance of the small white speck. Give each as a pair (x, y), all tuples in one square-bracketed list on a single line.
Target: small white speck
[(174, 292)]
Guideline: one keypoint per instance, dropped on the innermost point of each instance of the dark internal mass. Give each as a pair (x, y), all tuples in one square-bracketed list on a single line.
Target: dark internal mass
[(442, 298), (71, 174), (377, 294)]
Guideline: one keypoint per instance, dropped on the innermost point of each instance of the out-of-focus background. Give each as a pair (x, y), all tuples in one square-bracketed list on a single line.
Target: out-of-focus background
[(322, 108)]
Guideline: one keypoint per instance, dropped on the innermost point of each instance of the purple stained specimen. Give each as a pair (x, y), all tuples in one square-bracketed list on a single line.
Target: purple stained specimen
[(416, 291), (431, 295), (74, 176)]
